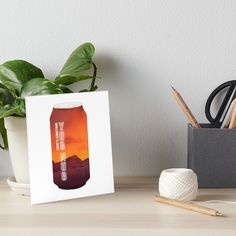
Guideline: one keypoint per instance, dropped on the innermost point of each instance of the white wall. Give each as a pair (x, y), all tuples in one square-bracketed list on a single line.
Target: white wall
[(143, 47)]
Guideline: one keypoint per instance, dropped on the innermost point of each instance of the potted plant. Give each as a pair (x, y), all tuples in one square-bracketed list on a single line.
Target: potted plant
[(18, 79)]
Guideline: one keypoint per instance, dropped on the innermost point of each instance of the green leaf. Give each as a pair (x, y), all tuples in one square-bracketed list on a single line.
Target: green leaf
[(20, 102), (89, 90), (9, 110), (67, 80), (5, 96), (17, 108), (66, 90), (3, 133), (93, 88), (14, 74), (39, 86), (79, 60), (84, 90)]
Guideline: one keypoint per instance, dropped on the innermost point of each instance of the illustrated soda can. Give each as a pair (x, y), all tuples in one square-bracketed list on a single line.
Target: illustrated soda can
[(69, 144)]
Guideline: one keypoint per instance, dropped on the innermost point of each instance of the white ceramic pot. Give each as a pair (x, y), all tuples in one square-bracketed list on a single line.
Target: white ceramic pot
[(17, 142)]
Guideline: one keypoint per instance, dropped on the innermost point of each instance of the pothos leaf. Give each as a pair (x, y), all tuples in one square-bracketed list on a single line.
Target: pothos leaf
[(67, 80), (79, 60), (39, 86), (5, 96), (66, 90), (9, 110), (14, 74), (3, 133)]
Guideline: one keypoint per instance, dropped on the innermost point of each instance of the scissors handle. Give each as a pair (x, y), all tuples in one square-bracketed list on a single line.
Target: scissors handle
[(229, 96)]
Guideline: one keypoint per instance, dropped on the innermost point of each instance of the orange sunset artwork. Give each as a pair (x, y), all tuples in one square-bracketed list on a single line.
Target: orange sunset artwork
[(70, 150)]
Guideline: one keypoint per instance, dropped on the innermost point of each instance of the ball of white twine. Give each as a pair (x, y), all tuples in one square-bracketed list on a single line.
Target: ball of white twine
[(178, 183)]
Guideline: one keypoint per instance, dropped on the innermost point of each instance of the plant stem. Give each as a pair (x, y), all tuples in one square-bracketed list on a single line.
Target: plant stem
[(94, 77)]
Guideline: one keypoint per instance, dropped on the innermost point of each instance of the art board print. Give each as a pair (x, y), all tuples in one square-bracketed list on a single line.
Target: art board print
[(69, 146)]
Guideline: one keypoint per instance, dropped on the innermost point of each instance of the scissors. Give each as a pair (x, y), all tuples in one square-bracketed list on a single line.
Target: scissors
[(223, 108)]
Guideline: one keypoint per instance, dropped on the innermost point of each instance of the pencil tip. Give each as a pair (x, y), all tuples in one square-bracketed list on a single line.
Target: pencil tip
[(219, 214), (173, 88)]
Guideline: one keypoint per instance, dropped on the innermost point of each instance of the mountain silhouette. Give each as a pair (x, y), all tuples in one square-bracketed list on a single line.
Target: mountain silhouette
[(76, 171)]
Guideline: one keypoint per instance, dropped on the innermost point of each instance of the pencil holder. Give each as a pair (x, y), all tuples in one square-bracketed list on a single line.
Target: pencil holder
[(212, 155)]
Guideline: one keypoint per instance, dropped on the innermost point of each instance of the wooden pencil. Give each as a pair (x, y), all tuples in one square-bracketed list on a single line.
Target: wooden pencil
[(185, 109), (188, 206), (232, 123)]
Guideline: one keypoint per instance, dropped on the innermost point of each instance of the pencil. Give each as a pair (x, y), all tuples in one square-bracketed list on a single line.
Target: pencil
[(185, 109), (188, 206), (232, 123)]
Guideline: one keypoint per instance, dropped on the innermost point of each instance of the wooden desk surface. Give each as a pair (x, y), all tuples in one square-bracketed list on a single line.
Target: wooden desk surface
[(131, 210)]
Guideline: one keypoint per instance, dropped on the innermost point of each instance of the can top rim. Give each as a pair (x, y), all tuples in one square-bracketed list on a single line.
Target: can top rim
[(67, 105)]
